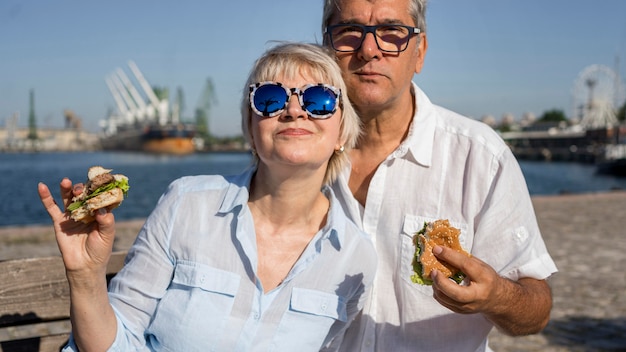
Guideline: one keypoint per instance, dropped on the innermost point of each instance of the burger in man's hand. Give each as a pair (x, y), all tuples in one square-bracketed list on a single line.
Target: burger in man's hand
[(424, 262), (102, 190)]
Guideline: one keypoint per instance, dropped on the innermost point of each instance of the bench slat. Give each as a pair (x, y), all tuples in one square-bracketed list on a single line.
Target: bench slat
[(43, 344), (35, 289)]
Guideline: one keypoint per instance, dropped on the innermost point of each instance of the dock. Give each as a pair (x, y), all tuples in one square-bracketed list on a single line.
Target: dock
[(575, 144)]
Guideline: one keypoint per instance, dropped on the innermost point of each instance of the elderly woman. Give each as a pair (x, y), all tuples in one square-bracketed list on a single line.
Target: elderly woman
[(265, 260)]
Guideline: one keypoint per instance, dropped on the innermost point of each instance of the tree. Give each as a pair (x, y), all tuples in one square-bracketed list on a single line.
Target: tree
[(554, 115)]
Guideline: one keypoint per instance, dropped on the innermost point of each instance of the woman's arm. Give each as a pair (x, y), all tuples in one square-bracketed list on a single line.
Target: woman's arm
[(86, 249)]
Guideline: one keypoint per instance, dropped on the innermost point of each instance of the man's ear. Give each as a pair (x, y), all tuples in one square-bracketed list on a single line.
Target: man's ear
[(421, 52)]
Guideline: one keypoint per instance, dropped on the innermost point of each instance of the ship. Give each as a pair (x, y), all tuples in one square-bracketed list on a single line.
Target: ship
[(175, 139), (613, 161), (143, 123)]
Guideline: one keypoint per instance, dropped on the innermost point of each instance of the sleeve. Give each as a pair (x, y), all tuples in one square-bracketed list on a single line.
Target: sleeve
[(507, 235), (119, 345), (136, 290)]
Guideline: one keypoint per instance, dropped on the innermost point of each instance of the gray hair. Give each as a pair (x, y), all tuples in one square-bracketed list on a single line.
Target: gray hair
[(288, 60), (417, 9)]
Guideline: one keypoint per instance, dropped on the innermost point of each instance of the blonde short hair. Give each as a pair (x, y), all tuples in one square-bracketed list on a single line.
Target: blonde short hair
[(289, 60)]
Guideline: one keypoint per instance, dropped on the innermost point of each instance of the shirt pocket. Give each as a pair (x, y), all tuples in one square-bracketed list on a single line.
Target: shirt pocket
[(195, 308), (410, 226), (310, 316)]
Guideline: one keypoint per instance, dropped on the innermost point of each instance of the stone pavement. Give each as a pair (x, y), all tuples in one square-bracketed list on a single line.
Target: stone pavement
[(586, 236)]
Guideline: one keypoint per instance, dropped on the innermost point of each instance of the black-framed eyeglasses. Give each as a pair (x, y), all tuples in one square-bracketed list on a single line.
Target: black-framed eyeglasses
[(270, 99), (390, 38)]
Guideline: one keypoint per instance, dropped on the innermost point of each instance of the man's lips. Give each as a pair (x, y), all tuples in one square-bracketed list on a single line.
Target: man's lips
[(368, 74)]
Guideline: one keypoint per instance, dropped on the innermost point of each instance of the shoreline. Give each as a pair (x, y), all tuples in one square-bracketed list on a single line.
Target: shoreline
[(555, 213)]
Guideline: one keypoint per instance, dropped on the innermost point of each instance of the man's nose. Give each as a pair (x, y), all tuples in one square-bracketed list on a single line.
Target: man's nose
[(369, 47)]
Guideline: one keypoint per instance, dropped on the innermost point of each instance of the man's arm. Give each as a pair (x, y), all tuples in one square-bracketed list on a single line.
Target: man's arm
[(515, 307)]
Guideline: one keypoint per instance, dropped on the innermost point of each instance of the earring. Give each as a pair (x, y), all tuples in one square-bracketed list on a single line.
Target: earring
[(340, 150)]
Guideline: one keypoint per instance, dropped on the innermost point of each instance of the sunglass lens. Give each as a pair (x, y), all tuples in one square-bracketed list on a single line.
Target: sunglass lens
[(319, 101), (269, 98)]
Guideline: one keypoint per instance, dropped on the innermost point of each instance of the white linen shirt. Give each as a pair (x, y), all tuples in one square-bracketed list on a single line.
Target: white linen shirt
[(190, 280), (449, 167)]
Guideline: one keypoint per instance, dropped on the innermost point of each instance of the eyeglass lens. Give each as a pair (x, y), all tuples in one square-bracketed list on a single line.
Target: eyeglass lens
[(317, 101), (390, 38)]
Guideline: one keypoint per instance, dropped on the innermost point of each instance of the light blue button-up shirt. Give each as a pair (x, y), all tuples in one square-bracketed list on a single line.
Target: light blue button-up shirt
[(190, 280)]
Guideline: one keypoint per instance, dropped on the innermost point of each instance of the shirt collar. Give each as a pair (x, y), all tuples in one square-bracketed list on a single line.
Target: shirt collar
[(418, 145), (335, 221), (238, 193)]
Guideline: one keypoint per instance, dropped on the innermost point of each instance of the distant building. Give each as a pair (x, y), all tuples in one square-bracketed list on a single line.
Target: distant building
[(48, 140)]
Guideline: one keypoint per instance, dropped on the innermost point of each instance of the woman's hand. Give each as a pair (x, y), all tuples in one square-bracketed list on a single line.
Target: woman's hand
[(86, 248)]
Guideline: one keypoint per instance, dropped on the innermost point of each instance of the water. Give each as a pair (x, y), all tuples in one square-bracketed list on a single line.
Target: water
[(150, 174), (545, 178)]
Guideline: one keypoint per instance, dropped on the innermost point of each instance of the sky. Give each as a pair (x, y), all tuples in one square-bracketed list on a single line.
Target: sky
[(485, 57)]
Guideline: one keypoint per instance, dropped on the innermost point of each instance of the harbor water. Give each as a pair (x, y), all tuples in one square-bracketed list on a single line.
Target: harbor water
[(151, 174)]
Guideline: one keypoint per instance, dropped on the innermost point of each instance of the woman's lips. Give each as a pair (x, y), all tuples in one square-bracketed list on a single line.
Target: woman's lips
[(295, 132)]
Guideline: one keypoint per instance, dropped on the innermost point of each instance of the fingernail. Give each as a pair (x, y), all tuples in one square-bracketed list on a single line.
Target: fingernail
[(102, 211), (437, 249)]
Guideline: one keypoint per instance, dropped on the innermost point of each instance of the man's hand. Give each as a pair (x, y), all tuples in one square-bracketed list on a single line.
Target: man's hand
[(516, 308)]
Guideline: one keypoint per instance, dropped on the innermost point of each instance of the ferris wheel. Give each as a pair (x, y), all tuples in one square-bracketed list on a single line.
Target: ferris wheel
[(597, 93)]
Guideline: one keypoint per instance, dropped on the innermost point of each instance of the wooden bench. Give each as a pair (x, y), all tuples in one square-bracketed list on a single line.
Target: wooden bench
[(34, 303)]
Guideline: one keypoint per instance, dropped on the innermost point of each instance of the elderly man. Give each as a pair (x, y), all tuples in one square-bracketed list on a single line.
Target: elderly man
[(419, 162)]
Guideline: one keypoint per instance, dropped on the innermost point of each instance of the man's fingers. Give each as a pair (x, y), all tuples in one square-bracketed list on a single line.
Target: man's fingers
[(452, 257)]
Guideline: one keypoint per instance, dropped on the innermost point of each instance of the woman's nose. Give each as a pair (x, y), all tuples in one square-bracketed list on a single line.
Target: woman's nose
[(294, 109)]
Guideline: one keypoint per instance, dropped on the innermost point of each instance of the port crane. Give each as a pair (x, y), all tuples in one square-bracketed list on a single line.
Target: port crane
[(119, 100), (206, 101), (161, 106), (132, 107)]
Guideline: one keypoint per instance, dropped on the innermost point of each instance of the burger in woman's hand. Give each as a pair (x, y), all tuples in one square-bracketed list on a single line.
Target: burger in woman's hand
[(102, 190)]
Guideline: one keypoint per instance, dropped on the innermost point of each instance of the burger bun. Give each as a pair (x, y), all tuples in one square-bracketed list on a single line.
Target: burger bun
[(110, 199)]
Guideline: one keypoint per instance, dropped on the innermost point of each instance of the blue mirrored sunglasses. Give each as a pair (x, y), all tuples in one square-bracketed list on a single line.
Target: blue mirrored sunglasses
[(270, 99)]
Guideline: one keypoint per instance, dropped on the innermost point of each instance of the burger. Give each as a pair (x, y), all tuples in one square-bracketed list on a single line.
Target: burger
[(437, 233), (102, 190)]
